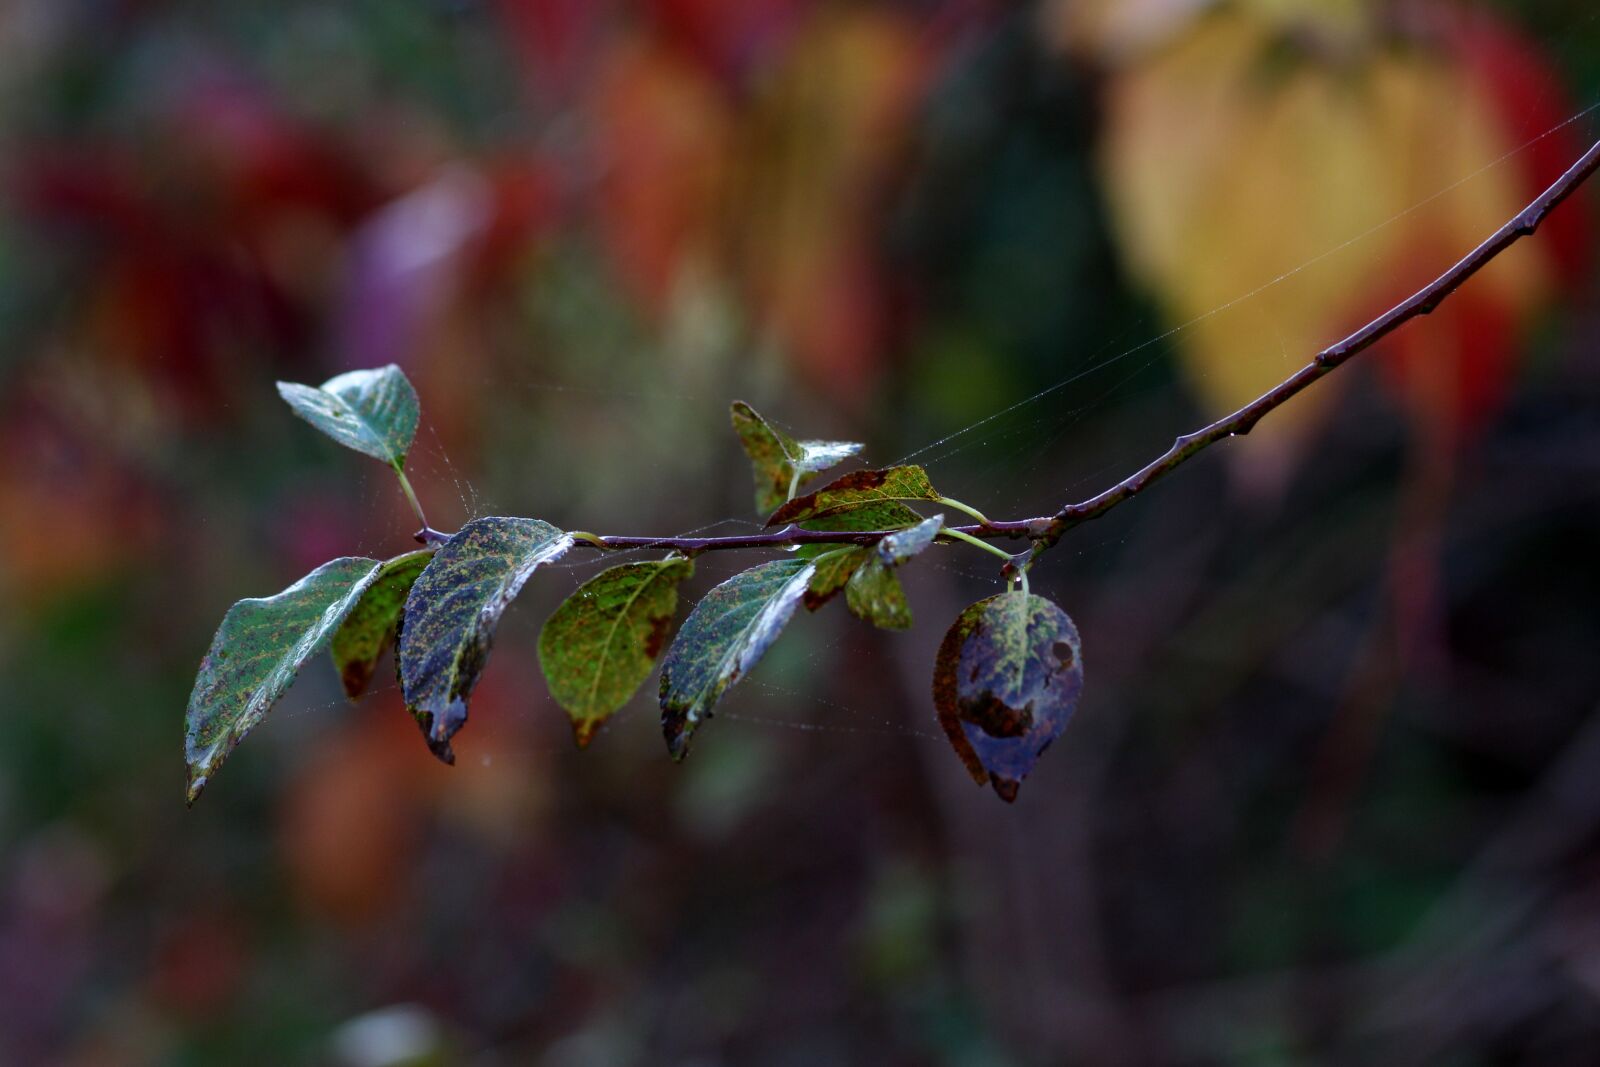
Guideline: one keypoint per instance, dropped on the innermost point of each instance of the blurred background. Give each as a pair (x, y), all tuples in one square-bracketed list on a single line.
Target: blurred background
[(1333, 793)]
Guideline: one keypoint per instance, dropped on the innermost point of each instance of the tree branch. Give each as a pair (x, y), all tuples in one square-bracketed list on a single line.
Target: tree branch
[(1423, 302), (1047, 530)]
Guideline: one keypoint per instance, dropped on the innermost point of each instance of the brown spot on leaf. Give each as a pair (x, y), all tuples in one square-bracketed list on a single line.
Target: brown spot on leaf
[(1064, 653), (995, 717), (656, 640)]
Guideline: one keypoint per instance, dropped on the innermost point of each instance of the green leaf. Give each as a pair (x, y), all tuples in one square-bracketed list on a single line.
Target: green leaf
[(370, 627), (1007, 678), (868, 570), (450, 617), (833, 570), (603, 641), (857, 490), (255, 655), (371, 411), (884, 515), (778, 461), (873, 592), (724, 636), (874, 595)]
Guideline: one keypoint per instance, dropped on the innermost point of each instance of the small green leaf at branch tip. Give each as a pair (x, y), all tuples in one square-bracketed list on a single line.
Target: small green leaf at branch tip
[(856, 490), (1007, 678), (370, 627), (447, 628), (373, 412), (725, 635), (603, 641), (778, 462), (256, 654)]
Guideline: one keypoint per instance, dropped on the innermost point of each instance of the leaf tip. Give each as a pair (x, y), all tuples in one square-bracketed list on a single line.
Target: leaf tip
[(583, 732), (197, 782), (1005, 788)]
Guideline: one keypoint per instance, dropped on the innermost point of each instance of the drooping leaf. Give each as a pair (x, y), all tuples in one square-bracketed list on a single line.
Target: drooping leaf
[(874, 595), (780, 462), (873, 592), (255, 655), (602, 642), (371, 411), (371, 625), (1007, 678), (833, 570), (857, 490), (450, 616), (724, 636), (838, 566)]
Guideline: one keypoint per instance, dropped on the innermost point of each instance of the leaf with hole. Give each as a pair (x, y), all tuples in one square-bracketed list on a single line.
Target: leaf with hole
[(256, 654), (778, 461), (372, 411), (603, 641), (857, 490), (725, 635), (372, 623), (448, 625), (1007, 678)]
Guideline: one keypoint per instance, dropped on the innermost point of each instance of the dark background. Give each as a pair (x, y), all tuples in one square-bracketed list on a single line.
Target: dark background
[(1333, 790)]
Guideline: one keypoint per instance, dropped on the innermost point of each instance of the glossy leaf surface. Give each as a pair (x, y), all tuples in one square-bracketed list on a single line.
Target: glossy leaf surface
[(603, 641), (372, 411), (372, 623), (450, 617), (727, 634), (256, 654), (778, 461), (873, 591), (1007, 679)]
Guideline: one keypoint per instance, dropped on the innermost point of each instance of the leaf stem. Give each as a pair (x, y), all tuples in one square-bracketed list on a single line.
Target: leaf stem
[(953, 531), (411, 494), (968, 509)]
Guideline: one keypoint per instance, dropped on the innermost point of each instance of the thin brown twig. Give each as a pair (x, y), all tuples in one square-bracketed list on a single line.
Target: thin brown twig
[(1045, 531)]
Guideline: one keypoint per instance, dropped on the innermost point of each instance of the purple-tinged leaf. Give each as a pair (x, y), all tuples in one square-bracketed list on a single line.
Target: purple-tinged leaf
[(1007, 679)]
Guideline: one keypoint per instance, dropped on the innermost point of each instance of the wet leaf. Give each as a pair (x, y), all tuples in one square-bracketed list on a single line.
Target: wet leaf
[(603, 641), (778, 461), (857, 490), (255, 655), (874, 595), (724, 636), (897, 548), (372, 623), (371, 411), (1007, 678), (450, 617), (833, 569), (873, 592)]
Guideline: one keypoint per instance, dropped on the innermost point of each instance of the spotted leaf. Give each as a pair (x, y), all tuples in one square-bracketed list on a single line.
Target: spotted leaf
[(451, 613), (855, 491), (1007, 678), (256, 654), (603, 641), (873, 591), (725, 635)]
